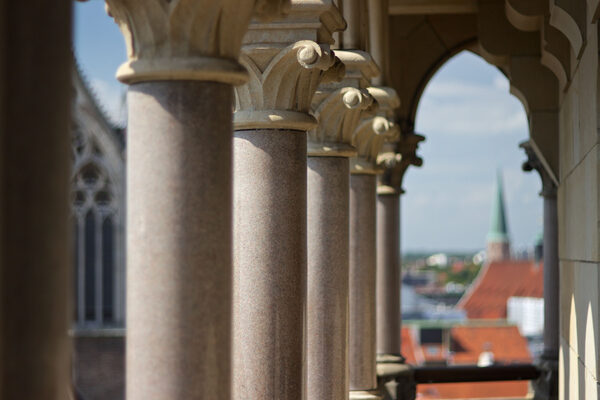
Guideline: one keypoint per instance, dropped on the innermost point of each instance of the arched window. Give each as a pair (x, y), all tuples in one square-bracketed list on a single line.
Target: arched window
[(94, 215)]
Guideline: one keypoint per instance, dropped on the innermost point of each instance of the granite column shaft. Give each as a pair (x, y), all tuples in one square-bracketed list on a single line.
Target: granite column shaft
[(551, 278), (179, 240), (269, 263), (35, 154), (362, 318), (328, 262), (388, 273)]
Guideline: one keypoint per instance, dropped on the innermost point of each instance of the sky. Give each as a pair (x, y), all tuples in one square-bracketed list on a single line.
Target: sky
[(472, 125)]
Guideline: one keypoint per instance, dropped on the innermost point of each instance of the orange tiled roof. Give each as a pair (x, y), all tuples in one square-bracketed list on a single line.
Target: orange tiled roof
[(497, 282), (468, 342), (505, 342)]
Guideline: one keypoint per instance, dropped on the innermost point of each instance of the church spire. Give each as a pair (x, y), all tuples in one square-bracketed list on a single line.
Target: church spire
[(497, 237), (498, 229)]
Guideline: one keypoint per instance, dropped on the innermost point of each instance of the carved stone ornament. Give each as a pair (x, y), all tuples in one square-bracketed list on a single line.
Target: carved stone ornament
[(314, 20), (186, 39), (395, 159), (533, 162), (387, 99), (281, 86), (360, 68), (338, 113), (368, 139)]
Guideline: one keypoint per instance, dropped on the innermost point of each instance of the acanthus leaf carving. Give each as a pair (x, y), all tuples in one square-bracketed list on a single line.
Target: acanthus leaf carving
[(369, 137), (401, 156), (186, 39), (281, 86), (338, 113)]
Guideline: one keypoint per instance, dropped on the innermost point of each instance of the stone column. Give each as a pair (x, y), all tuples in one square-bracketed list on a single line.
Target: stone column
[(35, 256), (551, 274), (179, 281), (337, 107), (388, 273), (368, 139), (287, 61), (394, 159), (546, 387), (550, 256)]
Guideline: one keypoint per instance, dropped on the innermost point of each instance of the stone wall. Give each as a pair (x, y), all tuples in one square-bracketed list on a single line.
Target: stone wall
[(578, 213), (99, 367)]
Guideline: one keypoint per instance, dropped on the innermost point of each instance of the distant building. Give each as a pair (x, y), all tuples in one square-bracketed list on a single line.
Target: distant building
[(498, 242), (439, 259), (499, 281)]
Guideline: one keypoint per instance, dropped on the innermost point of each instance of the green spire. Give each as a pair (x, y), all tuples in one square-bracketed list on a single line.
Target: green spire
[(498, 230)]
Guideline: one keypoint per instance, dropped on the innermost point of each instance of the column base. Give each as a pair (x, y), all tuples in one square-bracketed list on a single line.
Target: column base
[(365, 395), (395, 379), (546, 386), (390, 359)]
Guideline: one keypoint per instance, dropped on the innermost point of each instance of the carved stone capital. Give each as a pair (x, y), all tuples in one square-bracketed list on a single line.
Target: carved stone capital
[(281, 86), (369, 137), (287, 59), (533, 162), (360, 68), (395, 161), (387, 99), (186, 39), (338, 113)]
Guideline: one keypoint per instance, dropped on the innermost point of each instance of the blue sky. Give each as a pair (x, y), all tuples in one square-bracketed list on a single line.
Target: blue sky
[(472, 124)]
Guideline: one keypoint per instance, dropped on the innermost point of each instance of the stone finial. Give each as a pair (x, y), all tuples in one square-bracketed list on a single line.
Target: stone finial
[(338, 113), (287, 60), (533, 162), (395, 158), (186, 39)]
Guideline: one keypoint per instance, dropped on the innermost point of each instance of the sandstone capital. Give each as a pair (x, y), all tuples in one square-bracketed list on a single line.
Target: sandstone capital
[(186, 39), (338, 113)]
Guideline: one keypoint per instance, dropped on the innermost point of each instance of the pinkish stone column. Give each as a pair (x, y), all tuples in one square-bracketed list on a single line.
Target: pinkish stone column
[(370, 135), (363, 372), (270, 189), (179, 240), (338, 108), (179, 177), (35, 154), (388, 272), (328, 261), (270, 263)]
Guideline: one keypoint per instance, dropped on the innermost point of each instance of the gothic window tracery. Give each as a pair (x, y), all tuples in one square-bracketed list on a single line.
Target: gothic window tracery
[(94, 212)]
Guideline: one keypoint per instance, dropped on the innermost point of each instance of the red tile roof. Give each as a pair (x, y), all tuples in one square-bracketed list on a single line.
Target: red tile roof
[(467, 343), (505, 342), (497, 282)]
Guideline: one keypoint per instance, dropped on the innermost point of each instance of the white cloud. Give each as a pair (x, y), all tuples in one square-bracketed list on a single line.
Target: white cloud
[(459, 108), (111, 96)]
